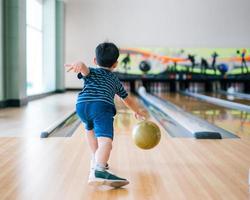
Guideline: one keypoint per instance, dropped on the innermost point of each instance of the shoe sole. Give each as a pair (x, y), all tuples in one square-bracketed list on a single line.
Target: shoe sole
[(111, 183)]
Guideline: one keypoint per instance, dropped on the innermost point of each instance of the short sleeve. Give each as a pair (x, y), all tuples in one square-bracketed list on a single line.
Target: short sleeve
[(81, 76), (121, 92)]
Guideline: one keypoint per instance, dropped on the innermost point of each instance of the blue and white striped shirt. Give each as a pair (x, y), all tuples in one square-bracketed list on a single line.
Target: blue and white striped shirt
[(101, 85)]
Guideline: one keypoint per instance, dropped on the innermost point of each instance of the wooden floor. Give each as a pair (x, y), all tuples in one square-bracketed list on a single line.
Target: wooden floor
[(57, 168), (30, 120)]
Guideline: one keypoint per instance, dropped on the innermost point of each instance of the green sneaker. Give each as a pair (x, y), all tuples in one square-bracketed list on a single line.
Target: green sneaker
[(105, 178)]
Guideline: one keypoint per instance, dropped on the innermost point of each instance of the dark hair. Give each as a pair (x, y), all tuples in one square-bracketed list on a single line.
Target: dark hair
[(106, 54)]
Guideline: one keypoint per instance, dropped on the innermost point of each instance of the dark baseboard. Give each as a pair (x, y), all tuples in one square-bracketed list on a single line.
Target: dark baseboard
[(74, 89), (17, 102), (60, 91), (3, 104), (14, 103)]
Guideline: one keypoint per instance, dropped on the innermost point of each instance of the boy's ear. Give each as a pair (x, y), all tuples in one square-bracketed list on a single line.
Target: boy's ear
[(95, 61), (115, 64)]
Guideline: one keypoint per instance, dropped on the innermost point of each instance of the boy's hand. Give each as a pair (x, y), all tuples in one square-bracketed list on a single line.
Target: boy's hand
[(78, 67), (141, 114)]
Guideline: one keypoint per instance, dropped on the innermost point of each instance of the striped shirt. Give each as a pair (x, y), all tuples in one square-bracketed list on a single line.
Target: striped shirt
[(101, 85)]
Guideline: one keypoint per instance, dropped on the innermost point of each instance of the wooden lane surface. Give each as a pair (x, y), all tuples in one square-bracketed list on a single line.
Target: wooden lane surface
[(232, 120), (57, 168)]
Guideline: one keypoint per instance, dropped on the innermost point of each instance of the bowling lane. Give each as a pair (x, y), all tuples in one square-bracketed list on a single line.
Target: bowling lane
[(229, 98), (235, 121)]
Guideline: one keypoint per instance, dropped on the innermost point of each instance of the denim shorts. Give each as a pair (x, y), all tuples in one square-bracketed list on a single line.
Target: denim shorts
[(97, 116)]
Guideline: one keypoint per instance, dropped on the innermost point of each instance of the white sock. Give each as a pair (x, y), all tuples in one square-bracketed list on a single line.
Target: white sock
[(100, 167), (92, 161)]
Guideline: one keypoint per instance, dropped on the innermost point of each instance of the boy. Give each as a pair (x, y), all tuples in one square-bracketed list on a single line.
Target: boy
[(95, 106)]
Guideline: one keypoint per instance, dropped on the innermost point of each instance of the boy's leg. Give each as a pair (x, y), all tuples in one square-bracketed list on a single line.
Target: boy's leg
[(101, 176), (103, 152), (93, 145), (103, 125), (92, 141)]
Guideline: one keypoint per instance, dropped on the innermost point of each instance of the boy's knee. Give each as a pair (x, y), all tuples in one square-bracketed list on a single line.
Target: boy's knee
[(105, 142)]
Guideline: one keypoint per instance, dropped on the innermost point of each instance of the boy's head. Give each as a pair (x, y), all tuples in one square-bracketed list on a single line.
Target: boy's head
[(106, 54)]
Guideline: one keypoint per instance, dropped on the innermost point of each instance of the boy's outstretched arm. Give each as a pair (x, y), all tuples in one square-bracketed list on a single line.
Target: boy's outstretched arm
[(140, 113), (78, 67)]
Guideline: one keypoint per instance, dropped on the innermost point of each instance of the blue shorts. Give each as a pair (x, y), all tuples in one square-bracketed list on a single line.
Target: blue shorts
[(98, 116)]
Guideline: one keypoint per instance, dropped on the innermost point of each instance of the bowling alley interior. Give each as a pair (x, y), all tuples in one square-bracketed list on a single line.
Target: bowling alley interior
[(184, 65)]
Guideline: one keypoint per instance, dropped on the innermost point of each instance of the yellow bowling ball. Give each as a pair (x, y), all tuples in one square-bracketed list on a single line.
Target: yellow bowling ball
[(146, 135)]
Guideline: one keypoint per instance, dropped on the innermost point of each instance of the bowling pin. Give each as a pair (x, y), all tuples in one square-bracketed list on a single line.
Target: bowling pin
[(195, 88), (191, 87), (240, 87)]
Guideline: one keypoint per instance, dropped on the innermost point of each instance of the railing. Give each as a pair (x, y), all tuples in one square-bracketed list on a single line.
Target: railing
[(45, 133)]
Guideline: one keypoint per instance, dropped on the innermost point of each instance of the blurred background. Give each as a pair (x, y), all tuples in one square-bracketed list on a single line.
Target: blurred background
[(39, 36)]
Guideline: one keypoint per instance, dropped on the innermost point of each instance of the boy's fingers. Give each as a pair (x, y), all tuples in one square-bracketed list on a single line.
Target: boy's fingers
[(70, 69), (67, 65)]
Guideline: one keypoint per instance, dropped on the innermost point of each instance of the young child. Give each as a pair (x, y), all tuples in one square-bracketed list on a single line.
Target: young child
[(95, 106)]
